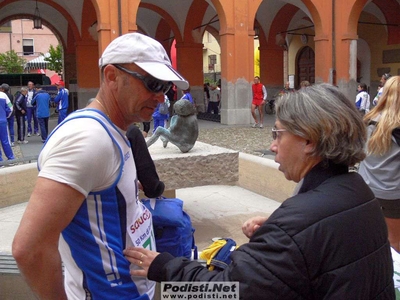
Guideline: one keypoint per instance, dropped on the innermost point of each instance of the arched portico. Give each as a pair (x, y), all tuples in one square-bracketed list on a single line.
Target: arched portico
[(86, 27)]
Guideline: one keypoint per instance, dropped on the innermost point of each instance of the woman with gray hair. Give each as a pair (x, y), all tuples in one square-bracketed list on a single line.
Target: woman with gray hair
[(327, 242)]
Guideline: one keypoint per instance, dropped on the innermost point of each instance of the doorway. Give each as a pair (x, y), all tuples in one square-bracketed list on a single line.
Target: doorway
[(306, 65)]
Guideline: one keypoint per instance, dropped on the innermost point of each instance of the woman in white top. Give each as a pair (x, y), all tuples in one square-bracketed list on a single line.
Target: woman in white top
[(362, 99)]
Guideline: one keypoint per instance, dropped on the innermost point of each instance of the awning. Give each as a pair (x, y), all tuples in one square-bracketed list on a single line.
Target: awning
[(37, 63)]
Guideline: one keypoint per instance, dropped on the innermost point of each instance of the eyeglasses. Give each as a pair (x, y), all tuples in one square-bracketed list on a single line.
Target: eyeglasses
[(275, 132), (152, 84)]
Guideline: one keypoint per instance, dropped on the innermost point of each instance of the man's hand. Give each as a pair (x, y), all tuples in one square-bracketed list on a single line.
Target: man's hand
[(251, 225)]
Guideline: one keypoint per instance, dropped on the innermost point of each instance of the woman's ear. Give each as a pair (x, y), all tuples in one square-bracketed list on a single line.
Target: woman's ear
[(309, 146)]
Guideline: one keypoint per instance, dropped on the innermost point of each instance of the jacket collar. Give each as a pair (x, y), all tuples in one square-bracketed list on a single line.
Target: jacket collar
[(321, 172)]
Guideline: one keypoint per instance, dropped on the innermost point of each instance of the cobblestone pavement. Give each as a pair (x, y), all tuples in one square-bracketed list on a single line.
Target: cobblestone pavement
[(249, 140), (245, 139)]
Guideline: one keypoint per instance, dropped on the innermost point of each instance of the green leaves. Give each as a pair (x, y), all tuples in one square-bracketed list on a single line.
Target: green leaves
[(55, 62), (11, 63)]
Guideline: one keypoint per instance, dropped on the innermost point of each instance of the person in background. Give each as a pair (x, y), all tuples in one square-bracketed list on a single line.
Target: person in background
[(188, 96), (5, 88), (259, 97), (383, 80), (206, 94), (362, 99), (304, 83), (160, 117), (215, 98), (62, 101), (84, 208), (31, 110), (41, 100), (329, 241), (6, 109), (20, 114), (380, 169)]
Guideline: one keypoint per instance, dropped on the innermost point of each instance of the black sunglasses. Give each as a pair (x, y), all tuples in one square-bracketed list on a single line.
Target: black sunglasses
[(152, 84)]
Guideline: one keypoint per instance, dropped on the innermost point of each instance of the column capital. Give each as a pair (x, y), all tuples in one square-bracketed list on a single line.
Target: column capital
[(321, 38), (349, 36)]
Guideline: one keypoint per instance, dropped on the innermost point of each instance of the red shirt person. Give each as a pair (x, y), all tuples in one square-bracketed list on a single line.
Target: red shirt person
[(259, 97)]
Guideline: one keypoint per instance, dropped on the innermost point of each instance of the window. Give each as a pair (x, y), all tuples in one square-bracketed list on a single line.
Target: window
[(6, 27), (212, 59), (27, 46)]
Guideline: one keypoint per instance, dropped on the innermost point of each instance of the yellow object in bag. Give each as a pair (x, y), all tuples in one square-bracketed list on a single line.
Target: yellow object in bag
[(218, 254)]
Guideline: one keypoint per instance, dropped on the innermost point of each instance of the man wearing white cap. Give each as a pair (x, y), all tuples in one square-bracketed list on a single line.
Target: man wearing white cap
[(87, 184)]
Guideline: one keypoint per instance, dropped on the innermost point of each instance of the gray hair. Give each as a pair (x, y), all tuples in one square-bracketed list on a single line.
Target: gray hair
[(24, 89), (325, 116)]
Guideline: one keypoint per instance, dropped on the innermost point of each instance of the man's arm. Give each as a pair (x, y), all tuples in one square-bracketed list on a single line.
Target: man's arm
[(9, 107), (58, 97), (51, 208), (265, 94)]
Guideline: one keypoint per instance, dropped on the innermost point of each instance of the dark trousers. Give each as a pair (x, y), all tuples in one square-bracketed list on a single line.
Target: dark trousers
[(44, 127), (213, 107), (31, 114), (21, 127)]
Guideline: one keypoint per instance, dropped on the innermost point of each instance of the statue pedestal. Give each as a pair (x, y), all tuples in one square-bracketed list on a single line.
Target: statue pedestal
[(203, 165)]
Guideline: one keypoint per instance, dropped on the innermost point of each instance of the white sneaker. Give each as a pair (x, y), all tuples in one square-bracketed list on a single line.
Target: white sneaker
[(12, 145), (29, 134), (254, 125), (38, 134), (24, 142), (261, 126)]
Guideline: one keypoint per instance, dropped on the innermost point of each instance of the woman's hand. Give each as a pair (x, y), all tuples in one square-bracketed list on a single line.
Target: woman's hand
[(140, 257), (251, 225)]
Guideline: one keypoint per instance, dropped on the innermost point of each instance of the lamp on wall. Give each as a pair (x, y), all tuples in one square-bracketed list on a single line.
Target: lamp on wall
[(37, 20)]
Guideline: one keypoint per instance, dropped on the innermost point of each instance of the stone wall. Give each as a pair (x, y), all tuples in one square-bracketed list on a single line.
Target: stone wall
[(203, 165)]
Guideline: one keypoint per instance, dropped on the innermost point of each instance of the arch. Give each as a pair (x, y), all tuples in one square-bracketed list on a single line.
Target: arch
[(281, 22), (171, 22), (71, 22), (194, 19), (391, 10), (44, 22)]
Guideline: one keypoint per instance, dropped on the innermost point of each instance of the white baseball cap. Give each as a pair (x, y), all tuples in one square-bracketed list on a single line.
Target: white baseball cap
[(145, 52)]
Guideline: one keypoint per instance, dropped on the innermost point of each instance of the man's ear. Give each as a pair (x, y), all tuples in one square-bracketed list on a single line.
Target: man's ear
[(109, 74)]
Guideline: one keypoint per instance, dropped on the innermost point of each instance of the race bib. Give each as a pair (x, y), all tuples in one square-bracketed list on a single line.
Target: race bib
[(141, 229)]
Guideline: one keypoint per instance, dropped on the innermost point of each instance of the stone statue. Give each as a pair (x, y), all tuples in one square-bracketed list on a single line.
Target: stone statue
[(183, 130)]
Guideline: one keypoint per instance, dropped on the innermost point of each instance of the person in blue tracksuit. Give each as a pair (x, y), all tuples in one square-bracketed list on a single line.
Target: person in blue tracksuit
[(6, 89), (62, 101), (42, 103), (6, 110)]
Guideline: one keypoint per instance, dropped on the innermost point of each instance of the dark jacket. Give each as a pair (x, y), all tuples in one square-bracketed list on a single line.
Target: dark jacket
[(20, 104), (327, 242)]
